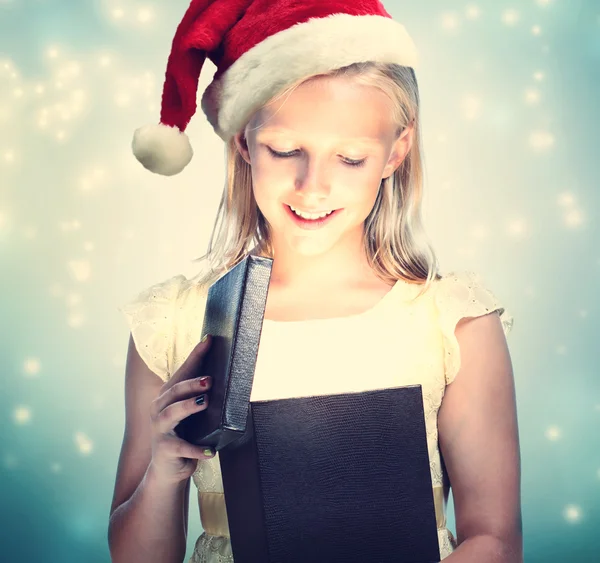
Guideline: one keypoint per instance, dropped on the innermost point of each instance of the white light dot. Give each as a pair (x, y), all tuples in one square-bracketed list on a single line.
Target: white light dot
[(473, 12), (52, 52), (22, 415), (9, 156), (450, 21), (75, 320), (536, 30), (572, 513), (118, 13), (517, 228), (80, 269), (541, 140), (553, 433), (538, 75), (510, 17), (31, 366), (543, 3), (145, 15), (566, 199), (471, 106), (532, 96), (104, 60), (18, 92), (574, 218), (84, 444)]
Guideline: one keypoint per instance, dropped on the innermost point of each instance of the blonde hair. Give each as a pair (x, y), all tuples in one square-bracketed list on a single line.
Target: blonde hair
[(395, 241)]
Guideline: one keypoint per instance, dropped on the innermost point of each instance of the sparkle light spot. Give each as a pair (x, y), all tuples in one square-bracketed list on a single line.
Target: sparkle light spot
[(471, 106), (9, 156), (118, 13), (572, 513), (73, 299), (541, 140), (574, 218), (29, 232), (538, 75), (536, 30), (510, 17), (553, 433), (55, 467), (480, 231), (52, 53), (104, 61), (40, 89), (566, 199), (517, 228), (543, 3), (450, 21), (22, 415), (18, 92), (31, 366), (532, 96), (80, 269), (88, 246), (84, 444), (75, 320), (145, 15), (473, 12)]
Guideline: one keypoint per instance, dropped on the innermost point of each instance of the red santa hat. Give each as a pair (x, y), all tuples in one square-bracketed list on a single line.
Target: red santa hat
[(259, 48)]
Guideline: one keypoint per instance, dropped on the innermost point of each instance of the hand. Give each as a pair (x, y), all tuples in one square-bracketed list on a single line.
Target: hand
[(173, 459)]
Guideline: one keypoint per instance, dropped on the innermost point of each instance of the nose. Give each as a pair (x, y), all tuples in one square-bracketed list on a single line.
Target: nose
[(313, 183)]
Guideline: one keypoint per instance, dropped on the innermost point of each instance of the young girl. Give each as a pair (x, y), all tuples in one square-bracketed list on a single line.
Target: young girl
[(318, 105)]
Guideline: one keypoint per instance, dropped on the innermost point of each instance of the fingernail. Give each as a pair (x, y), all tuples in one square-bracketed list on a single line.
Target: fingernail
[(200, 400), (204, 338), (204, 380), (208, 452)]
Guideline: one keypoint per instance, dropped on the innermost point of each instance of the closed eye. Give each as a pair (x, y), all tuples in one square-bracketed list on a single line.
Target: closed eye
[(347, 161)]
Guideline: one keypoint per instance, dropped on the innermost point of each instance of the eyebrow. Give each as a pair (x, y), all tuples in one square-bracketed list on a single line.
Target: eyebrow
[(284, 131)]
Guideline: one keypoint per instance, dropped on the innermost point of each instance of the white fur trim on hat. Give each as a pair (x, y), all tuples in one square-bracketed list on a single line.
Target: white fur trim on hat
[(162, 149), (312, 47)]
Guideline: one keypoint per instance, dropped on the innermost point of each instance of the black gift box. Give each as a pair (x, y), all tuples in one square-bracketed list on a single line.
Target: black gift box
[(334, 478), (234, 312)]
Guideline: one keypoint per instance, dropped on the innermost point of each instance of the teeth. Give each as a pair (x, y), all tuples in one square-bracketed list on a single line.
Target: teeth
[(310, 215)]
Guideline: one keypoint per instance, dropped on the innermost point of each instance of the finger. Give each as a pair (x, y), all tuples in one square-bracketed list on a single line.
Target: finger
[(174, 413), (180, 391), (192, 362), (176, 447)]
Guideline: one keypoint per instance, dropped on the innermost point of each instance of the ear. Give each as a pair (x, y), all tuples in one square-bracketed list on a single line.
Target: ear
[(402, 146), (242, 146)]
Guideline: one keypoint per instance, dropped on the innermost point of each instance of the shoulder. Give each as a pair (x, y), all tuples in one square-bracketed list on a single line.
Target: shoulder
[(460, 297)]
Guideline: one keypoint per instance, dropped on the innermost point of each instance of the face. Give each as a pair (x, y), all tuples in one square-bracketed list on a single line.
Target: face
[(338, 142)]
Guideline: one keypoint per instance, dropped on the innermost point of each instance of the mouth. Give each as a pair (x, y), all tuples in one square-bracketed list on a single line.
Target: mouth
[(311, 223)]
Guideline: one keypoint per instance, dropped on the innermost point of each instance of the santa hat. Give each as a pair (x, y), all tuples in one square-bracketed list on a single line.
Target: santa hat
[(259, 48)]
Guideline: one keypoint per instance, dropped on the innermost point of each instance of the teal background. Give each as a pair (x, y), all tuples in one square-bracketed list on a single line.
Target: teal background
[(510, 129)]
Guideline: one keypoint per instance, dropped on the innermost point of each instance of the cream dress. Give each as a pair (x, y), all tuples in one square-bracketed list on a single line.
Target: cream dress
[(402, 343)]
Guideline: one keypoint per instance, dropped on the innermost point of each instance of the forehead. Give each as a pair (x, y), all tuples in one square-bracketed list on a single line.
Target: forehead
[(328, 109), (275, 131)]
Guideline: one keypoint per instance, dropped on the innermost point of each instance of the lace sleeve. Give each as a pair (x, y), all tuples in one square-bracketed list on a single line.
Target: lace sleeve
[(150, 318), (459, 295)]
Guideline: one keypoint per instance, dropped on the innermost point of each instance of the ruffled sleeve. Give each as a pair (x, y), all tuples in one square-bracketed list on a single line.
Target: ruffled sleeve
[(150, 318), (459, 295)]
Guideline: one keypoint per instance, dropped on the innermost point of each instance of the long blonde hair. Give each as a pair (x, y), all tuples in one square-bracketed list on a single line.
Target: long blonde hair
[(395, 241)]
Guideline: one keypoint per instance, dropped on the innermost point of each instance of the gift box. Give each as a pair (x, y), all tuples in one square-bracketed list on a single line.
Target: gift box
[(234, 312), (333, 478)]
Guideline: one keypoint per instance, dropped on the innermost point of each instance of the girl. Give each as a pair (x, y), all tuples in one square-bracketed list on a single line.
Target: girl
[(319, 109)]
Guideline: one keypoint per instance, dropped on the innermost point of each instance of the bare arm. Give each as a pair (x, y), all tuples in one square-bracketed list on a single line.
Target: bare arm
[(479, 440), (147, 521)]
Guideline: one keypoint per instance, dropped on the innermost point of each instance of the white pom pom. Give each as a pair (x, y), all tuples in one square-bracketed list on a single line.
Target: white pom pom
[(162, 149)]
